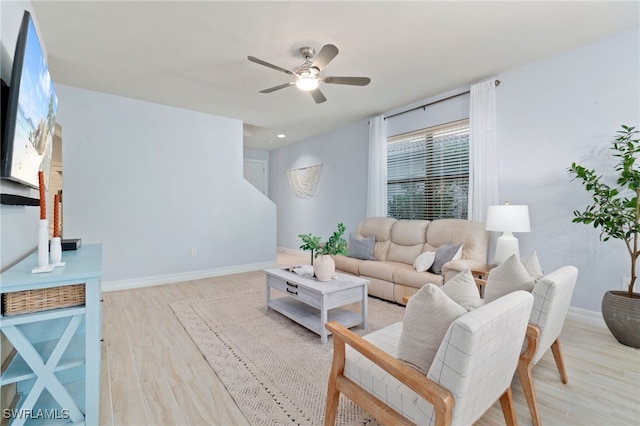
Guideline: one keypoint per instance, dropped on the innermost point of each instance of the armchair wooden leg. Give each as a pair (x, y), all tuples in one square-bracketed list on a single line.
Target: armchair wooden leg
[(557, 355), (333, 394), (506, 402), (332, 404), (526, 379)]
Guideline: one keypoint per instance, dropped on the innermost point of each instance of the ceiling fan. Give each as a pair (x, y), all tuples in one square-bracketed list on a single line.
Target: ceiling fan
[(308, 75)]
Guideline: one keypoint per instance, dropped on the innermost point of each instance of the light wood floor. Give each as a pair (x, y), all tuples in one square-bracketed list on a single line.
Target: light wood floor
[(153, 374)]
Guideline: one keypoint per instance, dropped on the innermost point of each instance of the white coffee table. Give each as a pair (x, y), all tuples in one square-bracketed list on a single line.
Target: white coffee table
[(312, 303)]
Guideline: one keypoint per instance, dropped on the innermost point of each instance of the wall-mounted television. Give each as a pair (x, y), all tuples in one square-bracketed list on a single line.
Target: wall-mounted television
[(30, 115)]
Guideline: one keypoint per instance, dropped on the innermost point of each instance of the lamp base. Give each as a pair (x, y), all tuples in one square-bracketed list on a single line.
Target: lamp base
[(506, 246)]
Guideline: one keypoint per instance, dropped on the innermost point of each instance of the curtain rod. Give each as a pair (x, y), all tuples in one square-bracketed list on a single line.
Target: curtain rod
[(423, 107)]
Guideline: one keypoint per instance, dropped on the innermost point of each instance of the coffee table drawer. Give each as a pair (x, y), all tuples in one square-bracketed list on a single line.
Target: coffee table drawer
[(294, 290)]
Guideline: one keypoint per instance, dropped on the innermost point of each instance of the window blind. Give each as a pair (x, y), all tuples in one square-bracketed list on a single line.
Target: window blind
[(428, 173)]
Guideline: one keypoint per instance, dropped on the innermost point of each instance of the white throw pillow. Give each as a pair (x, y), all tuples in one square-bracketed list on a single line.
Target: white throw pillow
[(426, 320), (424, 261), (507, 277), (458, 254), (463, 290), (532, 265)]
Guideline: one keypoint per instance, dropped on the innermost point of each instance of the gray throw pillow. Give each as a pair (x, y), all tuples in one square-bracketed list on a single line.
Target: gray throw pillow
[(444, 254), (361, 248)]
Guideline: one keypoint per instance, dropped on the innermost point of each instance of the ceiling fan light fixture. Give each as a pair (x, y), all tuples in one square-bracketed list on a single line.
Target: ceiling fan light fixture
[(307, 83), (309, 74)]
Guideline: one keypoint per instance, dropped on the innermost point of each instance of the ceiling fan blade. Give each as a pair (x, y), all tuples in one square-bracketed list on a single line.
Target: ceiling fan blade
[(267, 64), (326, 55), (318, 96), (352, 81), (273, 89)]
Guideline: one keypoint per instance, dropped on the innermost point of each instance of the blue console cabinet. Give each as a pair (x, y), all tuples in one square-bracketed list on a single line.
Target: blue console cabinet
[(56, 366)]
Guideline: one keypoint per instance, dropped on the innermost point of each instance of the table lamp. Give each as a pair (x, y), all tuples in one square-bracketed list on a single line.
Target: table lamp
[(507, 219)]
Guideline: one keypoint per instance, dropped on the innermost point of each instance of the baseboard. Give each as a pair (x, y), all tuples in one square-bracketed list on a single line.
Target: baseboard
[(293, 251), (585, 316), (183, 276)]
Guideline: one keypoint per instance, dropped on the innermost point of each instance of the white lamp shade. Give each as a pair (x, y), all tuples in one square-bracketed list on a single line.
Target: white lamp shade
[(508, 218)]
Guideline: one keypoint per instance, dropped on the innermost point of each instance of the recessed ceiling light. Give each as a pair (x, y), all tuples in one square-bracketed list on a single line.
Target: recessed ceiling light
[(282, 136)]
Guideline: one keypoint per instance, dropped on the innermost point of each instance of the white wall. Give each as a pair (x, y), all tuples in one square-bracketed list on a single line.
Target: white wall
[(153, 182), (563, 109), (342, 191), (550, 113), (442, 110)]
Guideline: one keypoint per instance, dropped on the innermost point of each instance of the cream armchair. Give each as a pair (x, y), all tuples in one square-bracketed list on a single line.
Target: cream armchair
[(551, 298), (473, 368)]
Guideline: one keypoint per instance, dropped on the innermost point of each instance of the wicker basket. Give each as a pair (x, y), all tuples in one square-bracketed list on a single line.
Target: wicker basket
[(22, 302)]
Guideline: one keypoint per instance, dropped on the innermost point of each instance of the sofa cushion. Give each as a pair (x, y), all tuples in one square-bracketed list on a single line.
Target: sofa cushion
[(463, 290), (347, 264), (404, 254), (424, 261), (378, 226), (409, 232), (407, 240), (474, 237), (506, 278), (444, 254), (404, 274), (361, 248), (426, 320), (375, 269), (444, 230)]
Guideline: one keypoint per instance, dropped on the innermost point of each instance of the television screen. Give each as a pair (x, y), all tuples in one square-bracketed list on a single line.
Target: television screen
[(32, 104)]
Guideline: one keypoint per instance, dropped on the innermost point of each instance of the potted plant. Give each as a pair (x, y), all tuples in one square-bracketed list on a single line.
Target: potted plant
[(310, 242), (324, 266), (615, 211)]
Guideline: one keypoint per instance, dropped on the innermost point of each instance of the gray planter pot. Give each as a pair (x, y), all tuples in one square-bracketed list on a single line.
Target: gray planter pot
[(622, 316)]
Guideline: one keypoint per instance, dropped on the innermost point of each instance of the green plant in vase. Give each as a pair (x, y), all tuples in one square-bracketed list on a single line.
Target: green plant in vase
[(310, 242), (324, 267), (335, 244)]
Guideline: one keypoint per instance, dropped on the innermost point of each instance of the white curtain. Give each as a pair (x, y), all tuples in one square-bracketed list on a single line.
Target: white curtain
[(377, 185), (483, 151)]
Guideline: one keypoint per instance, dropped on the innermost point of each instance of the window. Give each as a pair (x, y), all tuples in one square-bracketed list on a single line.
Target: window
[(428, 173)]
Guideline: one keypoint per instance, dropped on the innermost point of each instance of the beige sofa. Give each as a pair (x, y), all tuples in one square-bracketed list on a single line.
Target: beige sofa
[(399, 242)]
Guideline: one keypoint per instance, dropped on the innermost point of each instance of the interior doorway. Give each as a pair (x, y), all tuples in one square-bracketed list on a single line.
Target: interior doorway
[(255, 172)]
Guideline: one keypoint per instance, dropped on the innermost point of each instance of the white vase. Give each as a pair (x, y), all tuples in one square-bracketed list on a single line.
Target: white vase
[(43, 243), (324, 267), (56, 250)]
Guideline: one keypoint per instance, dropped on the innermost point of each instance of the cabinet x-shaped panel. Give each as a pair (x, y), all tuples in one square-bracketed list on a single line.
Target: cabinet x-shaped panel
[(45, 377)]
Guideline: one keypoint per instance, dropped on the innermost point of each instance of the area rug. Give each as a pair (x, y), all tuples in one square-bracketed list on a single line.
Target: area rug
[(275, 369)]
